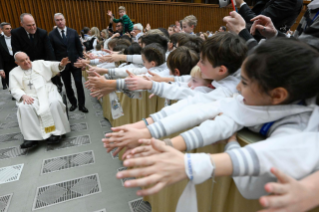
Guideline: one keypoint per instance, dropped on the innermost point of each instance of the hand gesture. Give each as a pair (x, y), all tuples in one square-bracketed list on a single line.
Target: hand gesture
[(27, 99), (141, 151), (116, 35), (288, 194), (155, 171), (133, 34), (155, 77), (109, 13), (137, 83), (2, 74), (97, 81), (65, 61), (128, 34), (264, 25), (108, 51), (235, 23), (81, 63)]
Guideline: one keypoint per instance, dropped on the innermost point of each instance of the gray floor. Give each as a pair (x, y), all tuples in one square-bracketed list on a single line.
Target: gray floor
[(77, 175)]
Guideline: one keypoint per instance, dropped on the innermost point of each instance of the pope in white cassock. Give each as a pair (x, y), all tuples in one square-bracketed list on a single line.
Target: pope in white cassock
[(41, 112)]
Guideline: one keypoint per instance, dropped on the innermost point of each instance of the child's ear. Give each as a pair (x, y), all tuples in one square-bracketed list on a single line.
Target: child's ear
[(223, 70), (279, 95), (193, 26), (153, 63), (176, 72)]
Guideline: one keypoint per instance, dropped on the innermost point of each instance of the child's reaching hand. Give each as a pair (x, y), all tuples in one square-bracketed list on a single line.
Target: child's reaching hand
[(109, 13), (124, 137), (137, 83), (141, 151)]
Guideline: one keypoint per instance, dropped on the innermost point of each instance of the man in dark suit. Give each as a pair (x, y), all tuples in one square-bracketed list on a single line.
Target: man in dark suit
[(7, 62), (283, 13), (33, 41), (66, 43)]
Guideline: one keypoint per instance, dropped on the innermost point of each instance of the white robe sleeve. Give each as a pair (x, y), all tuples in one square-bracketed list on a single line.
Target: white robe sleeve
[(137, 59), (15, 88), (121, 72)]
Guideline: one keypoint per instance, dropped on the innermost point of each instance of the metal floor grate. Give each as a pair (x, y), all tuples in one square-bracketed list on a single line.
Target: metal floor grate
[(70, 142), (53, 194), (77, 116), (99, 114), (67, 161), (124, 179), (97, 106), (5, 202), (105, 123), (139, 205), (9, 125), (78, 127), (12, 152), (10, 173), (11, 137)]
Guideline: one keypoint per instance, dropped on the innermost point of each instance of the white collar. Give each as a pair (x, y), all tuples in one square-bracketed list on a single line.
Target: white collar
[(6, 36), (62, 29)]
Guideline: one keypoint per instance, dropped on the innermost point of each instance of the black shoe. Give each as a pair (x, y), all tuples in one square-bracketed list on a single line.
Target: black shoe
[(13, 99), (54, 139), (83, 109), (5, 87), (73, 107), (29, 144)]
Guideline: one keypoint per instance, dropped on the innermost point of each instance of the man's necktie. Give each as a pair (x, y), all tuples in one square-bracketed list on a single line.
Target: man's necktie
[(31, 38), (65, 40)]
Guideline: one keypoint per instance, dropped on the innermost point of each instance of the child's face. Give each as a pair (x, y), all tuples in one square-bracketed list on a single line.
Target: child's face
[(170, 46), (251, 92), (196, 82), (187, 28), (170, 31), (207, 69), (146, 63), (121, 12)]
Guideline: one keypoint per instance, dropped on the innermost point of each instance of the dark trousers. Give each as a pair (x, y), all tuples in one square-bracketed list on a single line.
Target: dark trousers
[(5, 81), (77, 76), (57, 81)]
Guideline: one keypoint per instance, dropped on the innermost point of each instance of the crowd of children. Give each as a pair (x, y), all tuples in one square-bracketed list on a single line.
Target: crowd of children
[(223, 84)]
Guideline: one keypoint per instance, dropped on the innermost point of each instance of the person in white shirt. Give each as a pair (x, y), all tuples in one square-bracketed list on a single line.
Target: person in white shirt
[(6, 55)]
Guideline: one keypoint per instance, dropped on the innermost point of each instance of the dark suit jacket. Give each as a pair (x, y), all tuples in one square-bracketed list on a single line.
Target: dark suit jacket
[(73, 48), (41, 48), (282, 12), (6, 60)]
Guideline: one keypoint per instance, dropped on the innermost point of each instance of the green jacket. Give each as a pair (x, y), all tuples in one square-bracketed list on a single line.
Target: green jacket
[(127, 23)]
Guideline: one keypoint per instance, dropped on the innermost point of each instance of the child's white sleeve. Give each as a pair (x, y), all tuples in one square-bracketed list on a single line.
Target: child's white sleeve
[(185, 119), (296, 155), (121, 72), (180, 105), (171, 91), (106, 65), (106, 46), (184, 78), (136, 58), (210, 131)]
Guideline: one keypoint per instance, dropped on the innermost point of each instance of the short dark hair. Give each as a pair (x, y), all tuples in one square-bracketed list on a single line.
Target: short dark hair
[(155, 38), (223, 28), (176, 37), (225, 49), (193, 42), (4, 24), (286, 63), (182, 58), (164, 31), (133, 49), (126, 37), (154, 52)]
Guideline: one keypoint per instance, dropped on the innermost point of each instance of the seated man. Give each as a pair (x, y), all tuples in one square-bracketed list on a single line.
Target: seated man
[(41, 112)]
